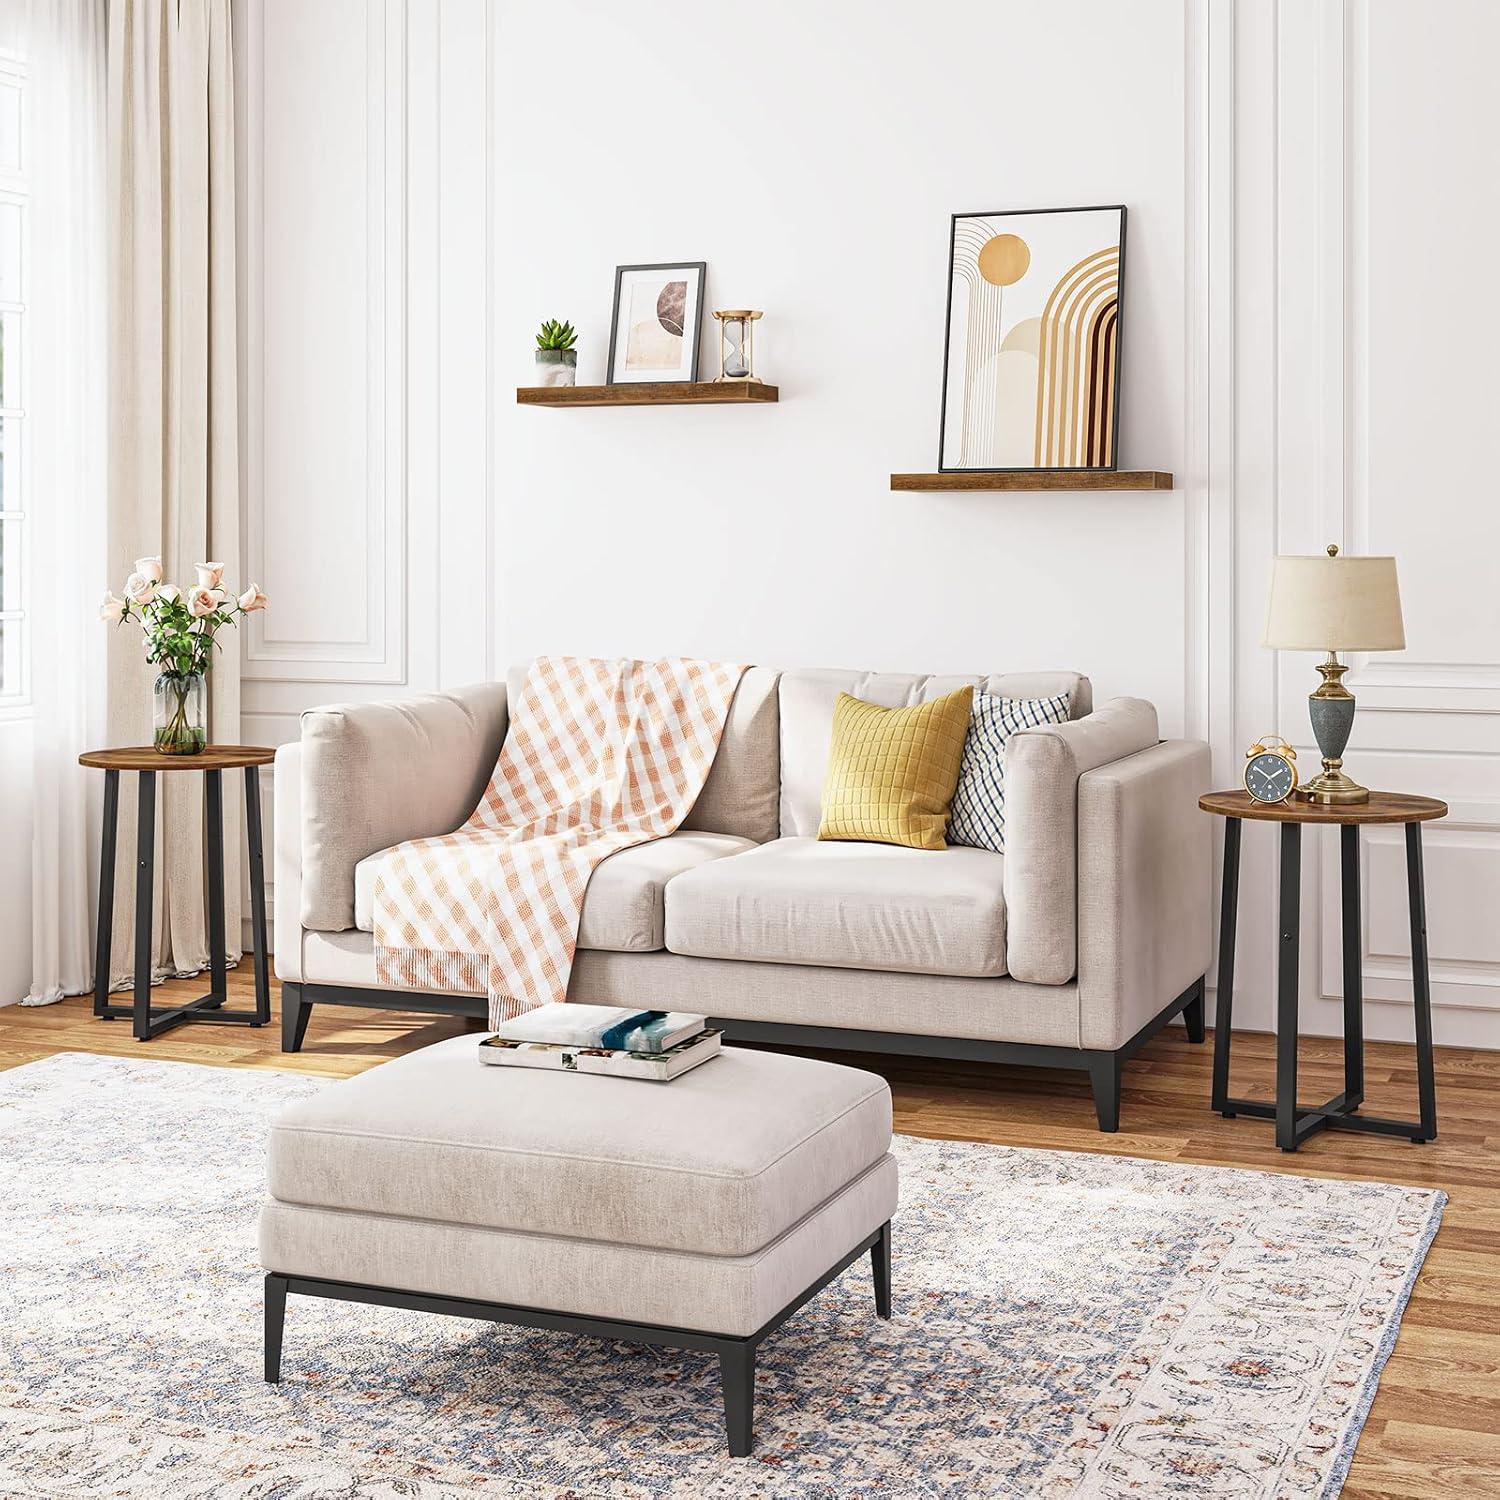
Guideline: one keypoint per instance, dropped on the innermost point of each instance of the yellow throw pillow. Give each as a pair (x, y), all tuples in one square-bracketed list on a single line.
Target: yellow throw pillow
[(892, 771)]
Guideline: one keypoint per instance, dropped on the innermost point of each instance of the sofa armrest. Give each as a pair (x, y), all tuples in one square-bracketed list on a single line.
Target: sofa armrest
[(286, 840), (1042, 771), (1145, 887), (374, 774)]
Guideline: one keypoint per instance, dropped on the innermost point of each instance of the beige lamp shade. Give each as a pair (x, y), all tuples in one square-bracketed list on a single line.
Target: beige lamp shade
[(1334, 604)]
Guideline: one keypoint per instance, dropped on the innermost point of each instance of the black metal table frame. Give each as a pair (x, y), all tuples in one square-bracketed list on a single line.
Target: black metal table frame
[(148, 1020), (1294, 1122), (736, 1351)]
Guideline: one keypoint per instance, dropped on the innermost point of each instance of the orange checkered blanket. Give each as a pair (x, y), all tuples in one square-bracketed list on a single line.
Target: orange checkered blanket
[(600, 755)]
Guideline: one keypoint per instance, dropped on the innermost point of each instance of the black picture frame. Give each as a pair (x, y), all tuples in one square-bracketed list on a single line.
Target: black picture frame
[(1114, 433), (693, 268)]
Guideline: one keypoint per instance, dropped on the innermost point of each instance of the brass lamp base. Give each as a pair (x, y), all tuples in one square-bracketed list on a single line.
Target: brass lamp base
[(1332, 789), (1331, 709)]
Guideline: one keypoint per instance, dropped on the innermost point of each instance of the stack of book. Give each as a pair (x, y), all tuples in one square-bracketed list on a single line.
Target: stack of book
[(658, 1045)]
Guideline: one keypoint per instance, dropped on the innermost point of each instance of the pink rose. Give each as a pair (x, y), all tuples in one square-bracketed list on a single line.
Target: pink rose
[(140, 588), (252, 599), (201, 601), (169, 592), (210, 574), (112, 609), (149, 567)]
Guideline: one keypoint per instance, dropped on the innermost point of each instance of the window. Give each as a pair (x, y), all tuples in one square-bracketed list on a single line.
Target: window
[(13, 225)]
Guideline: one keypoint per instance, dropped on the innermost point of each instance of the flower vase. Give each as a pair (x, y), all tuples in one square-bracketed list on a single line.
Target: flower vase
[(179, 704)]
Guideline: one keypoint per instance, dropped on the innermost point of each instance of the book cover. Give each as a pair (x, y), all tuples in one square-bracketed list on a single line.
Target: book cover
[(612, 1027)]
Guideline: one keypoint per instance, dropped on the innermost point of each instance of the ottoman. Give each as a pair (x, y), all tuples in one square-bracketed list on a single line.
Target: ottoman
[(697, 1214)]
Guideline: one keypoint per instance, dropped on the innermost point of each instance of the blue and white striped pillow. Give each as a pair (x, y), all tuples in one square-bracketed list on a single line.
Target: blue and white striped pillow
[(977, 817)]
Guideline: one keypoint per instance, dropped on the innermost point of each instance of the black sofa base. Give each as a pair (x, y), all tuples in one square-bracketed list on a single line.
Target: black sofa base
[(1104, 1068)]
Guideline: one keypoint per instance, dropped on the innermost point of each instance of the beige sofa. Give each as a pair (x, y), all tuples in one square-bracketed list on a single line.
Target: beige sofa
[(1085, 938)]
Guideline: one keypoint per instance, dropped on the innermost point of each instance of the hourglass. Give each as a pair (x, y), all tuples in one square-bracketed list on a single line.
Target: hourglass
[(737, 344)]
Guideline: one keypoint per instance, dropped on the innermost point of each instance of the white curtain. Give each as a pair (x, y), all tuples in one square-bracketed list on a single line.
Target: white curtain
[(64, 47), (173, 415)]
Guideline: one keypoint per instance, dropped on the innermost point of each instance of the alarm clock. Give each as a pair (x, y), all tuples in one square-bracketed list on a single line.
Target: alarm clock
[(1271, 769)]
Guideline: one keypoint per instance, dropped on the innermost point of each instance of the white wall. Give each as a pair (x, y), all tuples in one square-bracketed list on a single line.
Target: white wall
[(812, 155), (1306, 185)]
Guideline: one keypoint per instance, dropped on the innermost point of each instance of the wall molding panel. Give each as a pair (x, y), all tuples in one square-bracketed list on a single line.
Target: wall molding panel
[(351, 574)]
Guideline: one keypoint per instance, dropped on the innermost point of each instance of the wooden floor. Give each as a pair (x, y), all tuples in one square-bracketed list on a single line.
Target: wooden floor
[(1435, 1427)]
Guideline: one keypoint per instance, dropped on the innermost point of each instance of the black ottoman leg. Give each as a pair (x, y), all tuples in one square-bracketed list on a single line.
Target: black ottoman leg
[(737, 1369), (275, 1322), (880, 1266)]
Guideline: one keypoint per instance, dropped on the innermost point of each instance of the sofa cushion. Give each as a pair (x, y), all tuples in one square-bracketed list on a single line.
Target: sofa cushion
[(891, 771), (721, 1162), (806, 699), (853, 906), (977, 817), (374, 774), (622, 907), (742, 793)]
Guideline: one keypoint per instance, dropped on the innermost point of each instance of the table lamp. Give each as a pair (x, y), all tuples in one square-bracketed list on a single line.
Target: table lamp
[(1334, 604)]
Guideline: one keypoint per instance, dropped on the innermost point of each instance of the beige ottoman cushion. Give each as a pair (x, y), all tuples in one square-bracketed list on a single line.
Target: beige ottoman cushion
[(733, 1294), (721, 1162)]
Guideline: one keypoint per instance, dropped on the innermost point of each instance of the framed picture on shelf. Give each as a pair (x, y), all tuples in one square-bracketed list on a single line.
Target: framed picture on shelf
[(653, 333), (1031, 362)]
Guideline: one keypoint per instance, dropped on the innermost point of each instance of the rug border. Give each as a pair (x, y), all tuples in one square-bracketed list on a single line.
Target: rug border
[(1342, 1463)]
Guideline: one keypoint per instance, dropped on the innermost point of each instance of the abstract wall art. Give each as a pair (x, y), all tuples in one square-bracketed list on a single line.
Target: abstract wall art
[(654, 332), (1031, 367)]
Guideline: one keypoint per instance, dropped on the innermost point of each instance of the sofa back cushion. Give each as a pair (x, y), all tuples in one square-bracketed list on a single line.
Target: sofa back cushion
[(743, 791), (807, 698), (741, 794)]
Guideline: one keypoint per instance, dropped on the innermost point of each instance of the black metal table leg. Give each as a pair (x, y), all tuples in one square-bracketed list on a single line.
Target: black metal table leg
[(1289, 919), (1224, 1001), (257, 897), (104, 934), (213, 798), (1354, 999), (145, 875), (1421, 986)]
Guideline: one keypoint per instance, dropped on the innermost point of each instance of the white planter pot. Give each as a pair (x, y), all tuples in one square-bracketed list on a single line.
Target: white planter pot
[(556, 366)]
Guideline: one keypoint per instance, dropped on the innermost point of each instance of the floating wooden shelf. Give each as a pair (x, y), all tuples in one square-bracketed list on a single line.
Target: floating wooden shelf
[(1038, 479), (649, 393)]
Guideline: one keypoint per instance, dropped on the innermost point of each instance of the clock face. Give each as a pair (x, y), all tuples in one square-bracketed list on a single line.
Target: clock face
[(1268, 778)]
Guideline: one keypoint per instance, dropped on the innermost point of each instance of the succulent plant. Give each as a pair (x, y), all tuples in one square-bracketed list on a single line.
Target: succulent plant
[(555, 335)]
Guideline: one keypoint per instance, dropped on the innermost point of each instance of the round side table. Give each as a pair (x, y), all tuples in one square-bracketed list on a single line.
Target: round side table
[(147, 763), (1295, 1122)]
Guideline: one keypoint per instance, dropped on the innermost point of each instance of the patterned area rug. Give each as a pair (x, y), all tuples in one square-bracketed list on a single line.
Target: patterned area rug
[(1065, 1325)]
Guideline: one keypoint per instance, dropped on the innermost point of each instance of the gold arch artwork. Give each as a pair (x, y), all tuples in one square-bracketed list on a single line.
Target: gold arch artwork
[(1076, 365), (1031, 369)]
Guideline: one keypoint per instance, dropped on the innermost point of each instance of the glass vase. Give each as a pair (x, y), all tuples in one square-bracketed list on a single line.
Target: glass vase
[(179, 713)]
